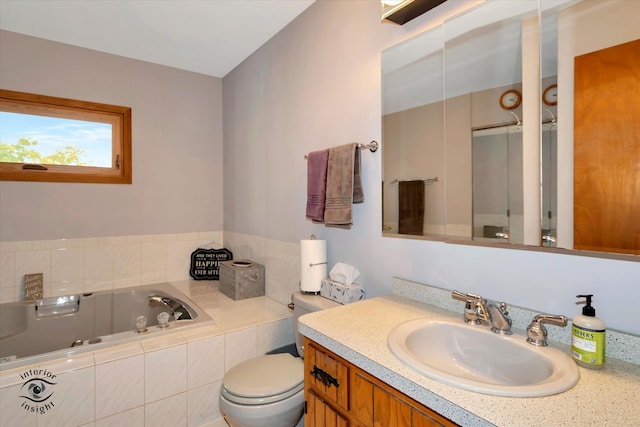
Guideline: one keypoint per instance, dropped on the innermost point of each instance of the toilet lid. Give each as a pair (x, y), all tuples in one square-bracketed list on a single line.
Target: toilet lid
[(264, 378)]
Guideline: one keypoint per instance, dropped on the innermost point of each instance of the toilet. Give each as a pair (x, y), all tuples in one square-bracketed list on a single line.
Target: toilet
[(268, 391)]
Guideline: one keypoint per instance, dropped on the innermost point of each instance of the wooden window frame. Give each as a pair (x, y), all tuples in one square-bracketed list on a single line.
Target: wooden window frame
[(119, 117)]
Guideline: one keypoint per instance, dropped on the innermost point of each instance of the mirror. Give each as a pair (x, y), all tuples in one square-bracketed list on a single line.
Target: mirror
[(492, 172), (497, 184)]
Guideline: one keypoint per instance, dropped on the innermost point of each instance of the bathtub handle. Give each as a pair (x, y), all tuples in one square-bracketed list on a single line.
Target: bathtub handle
[(141, 324)]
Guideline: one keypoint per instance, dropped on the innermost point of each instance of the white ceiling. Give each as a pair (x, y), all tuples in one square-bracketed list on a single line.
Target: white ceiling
[(205, 36)]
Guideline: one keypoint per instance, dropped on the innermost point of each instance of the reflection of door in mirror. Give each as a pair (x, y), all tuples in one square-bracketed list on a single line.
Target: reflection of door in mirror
[(497, 184), (607, 149), (549, 171)]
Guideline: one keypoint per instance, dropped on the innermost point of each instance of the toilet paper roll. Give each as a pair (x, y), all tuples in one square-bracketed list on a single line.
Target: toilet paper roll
[(313, 264)]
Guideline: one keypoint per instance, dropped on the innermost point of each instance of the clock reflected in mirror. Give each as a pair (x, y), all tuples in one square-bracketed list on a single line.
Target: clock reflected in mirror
[(550, 95), (510, 99)]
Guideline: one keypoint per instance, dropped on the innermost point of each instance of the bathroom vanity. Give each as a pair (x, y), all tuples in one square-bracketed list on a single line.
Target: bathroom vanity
[(338, 393), (349, 345)]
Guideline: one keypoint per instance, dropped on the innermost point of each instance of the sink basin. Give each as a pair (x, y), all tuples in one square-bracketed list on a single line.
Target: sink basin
[(474, 358)]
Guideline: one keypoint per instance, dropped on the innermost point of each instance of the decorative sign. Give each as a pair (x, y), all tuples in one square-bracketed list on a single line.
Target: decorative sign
[(33, 286), (205, 263)]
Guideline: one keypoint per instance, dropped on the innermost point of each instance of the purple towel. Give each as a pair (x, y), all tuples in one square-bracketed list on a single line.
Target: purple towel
[(316, 184)]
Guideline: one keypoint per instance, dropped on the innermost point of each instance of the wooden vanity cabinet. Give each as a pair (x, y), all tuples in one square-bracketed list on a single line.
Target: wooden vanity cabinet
[(338, 393)]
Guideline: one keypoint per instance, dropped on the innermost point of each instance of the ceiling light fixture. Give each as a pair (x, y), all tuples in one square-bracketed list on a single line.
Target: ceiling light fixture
[(402, 11)]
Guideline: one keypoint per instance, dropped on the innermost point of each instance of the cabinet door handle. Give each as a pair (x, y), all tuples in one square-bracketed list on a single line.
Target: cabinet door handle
[(324, 377)]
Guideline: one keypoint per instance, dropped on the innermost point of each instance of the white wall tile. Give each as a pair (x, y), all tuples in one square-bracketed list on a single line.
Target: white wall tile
[(272, 335), (131, 418), (153, 262), (16, 246), (98, 263), (203, 404), (205, 361), (65, 288), (179, 259), (119, 385), (239, 346), (171, 411), (73, 400), (49, 244), (291, 330), (165, 372), (126, 266), (139, 239), (7, 261), (12, 413), (32, 262), (7, 295), (66, 265), (98, 268)]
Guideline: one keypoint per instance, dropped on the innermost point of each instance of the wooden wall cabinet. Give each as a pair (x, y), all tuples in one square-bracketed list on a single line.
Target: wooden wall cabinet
[(338, 393)]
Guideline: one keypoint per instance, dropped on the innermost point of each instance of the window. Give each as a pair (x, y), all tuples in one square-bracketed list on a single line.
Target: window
[(43, 138)]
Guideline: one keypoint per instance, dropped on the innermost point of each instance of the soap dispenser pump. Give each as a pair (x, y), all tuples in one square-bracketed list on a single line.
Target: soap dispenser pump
[(588, 337)]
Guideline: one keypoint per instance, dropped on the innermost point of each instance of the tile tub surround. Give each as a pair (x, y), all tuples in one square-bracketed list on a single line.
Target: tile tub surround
[(358, 333), (95, 264), (173, 379)]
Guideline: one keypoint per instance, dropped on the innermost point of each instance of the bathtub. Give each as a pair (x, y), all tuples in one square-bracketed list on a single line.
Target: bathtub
[(31, 332)]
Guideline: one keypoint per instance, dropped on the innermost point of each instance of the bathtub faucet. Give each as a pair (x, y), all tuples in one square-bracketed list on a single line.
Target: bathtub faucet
[(176, 309)]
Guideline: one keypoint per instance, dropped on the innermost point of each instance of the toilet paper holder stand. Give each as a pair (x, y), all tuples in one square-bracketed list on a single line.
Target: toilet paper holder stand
[(311, 264)]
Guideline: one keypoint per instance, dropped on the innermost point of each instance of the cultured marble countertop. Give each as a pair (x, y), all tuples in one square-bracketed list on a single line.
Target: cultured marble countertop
[(358, 333)]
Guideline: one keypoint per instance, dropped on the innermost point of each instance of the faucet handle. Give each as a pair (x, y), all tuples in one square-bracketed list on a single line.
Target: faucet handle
[(474, 309), (468, 298), (537, 333)]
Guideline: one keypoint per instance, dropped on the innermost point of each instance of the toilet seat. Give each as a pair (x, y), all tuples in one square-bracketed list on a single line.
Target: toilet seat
[(263, 380)]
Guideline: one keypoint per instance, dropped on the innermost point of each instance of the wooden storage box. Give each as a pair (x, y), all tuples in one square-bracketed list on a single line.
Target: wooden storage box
[(241, 279)]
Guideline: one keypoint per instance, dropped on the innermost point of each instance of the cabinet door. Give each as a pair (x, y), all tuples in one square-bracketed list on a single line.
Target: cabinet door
[(389, 411), (375, 404), (376, 407), (420, 419), (328, 375), (320, 414), (362, 399), (607, 150)]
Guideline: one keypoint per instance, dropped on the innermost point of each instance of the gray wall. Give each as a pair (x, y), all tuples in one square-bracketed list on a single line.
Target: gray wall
[(317, 84), (177, 146)]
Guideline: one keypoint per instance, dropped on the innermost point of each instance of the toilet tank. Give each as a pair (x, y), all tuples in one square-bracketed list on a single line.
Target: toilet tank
[(307, 303)]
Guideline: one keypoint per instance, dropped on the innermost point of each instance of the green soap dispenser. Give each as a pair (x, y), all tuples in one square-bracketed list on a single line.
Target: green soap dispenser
[(588, 337)]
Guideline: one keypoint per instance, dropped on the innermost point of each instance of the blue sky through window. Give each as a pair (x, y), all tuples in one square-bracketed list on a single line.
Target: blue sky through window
[(51, 133)]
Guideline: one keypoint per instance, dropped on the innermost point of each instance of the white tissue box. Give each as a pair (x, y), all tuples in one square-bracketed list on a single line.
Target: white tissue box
[(339, 292)]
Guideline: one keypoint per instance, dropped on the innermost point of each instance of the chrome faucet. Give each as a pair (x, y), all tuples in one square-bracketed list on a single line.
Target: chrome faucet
[(537, 333), (476, 311), (176, 309), (500, 320)]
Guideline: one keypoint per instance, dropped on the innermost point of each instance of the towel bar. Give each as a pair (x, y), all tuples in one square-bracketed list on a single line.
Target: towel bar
[(426, 181), (372, 146)]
